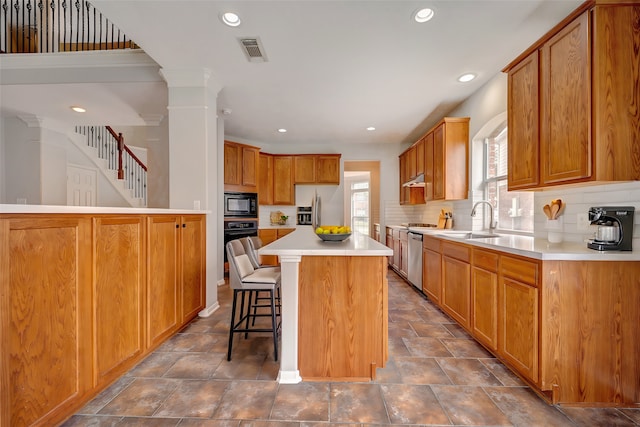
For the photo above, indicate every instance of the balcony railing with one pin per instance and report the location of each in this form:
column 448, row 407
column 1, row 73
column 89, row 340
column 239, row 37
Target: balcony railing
column 31, row 26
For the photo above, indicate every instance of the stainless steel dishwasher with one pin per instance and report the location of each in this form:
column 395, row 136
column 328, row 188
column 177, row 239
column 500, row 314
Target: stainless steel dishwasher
column 414, row 268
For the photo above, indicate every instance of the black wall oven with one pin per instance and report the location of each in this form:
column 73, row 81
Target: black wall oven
column 235, row 229
column 241, row 204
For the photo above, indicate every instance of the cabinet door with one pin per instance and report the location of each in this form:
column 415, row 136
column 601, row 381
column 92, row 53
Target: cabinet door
column 565, row 142
column 404, row 257
column 232, row 164
column 456, row 290
column 250, row 166
column 411, row 163
column 328, row 169
column 484, row 291
column 396, row 250
column 428, row 166
column 45, row 320
column 118, row 293
column 523, row 124
column 420, row 157
column 432, row 274
column 265, row 179
column 438, row 163
column 283, row 190
column 389, row 242
column 304, row 168
column 404, row 191
column 192, row 239
column 162, row 277
column 518, row 335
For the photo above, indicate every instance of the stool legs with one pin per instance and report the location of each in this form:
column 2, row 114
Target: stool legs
column 237, row 327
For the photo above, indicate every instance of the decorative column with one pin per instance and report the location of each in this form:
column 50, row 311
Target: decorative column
column 194, row 159
column 289, row 373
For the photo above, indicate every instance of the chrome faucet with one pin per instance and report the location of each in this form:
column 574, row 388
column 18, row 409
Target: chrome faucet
column 492, row 225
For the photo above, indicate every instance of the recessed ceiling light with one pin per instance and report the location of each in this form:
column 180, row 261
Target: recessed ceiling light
column 423, row 15
column 371, row 128
column 466, row 77
column 79, row 109
column 282, row 130
column 231, row 19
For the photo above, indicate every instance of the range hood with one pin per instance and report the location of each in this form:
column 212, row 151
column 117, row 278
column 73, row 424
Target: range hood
column 418, row 181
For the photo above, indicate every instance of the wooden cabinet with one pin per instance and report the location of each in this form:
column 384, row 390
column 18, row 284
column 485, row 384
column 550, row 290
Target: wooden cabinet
column 404, row 252
column 265, row 179
column 583, row 71
column 317, row 169
column 269, row 235
column 442, row 155
column 396, row 262
column 431, row 268
column 519, row 305
column 456, row 286
column 90, row 295
column 451, row 159
column 45, row 317
column 376, row 233
column 283, row 189
column 119, row 276
column 484, row 297
column 240, row 167
column 162, row 286
column 389, row 242
column 193, row 266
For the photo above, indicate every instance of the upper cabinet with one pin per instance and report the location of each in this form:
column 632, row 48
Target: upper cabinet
column 572, row 101
column 240, row 167
column 442, row 156
column 265, row 179
column 317, row 169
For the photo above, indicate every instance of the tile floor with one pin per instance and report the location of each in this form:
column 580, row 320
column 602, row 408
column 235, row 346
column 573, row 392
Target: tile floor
column 436, row 375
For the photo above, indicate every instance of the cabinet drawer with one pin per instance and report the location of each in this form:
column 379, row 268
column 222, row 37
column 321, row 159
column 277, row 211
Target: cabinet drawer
column 431, row 243
column 457, row 251
column 519, row 269
column 485, row 260
column 389, row 231
column 404, row 236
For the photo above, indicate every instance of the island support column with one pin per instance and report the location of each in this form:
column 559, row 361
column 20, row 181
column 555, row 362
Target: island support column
column 289, row 267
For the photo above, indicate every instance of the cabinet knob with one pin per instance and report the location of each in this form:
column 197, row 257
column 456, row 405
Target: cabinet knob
column 177, row 225
column 184, row 225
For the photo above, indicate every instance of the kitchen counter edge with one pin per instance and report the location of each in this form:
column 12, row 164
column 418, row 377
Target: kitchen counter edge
column 536, row 248
column 59, row 209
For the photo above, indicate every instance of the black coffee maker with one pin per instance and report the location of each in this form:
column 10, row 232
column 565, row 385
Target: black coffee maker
column 615, row 228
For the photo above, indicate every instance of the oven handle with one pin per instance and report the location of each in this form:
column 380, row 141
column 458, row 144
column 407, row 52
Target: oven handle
column 243, row 231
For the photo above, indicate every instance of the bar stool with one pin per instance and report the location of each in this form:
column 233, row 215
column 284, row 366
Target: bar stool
column 245, row 280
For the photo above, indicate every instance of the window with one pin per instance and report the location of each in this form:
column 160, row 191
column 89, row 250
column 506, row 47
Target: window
column 360, row 206
column 513, row 209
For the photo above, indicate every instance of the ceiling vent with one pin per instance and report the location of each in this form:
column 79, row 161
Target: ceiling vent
column 253, row 50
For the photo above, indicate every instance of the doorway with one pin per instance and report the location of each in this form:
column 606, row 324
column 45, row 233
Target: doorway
column 81, row 186
column 362, row 202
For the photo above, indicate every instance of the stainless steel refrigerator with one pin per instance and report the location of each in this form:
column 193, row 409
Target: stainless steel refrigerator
column 316, row 208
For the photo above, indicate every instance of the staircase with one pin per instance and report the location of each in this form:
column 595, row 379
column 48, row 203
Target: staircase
column 114, row 159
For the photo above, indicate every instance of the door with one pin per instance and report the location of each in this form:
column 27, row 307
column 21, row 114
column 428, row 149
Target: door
column 82, row 186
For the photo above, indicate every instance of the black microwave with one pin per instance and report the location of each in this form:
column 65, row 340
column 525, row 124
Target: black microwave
column 241, row 204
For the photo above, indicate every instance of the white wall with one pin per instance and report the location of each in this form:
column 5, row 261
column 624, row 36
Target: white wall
column 22, row 162
column 53, row 167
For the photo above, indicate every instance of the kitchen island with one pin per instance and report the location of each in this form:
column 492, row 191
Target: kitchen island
column 334, row 307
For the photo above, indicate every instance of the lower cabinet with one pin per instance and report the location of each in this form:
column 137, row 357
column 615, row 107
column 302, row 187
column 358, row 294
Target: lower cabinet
column 85, row 297
column 404, row 253
column 519, row 305
column 456, row 282
column 484, row 297
column 389, row 242
column 431, row 268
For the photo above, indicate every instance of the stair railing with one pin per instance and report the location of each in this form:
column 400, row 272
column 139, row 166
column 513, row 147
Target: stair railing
column 31, row 26
column 111, row 147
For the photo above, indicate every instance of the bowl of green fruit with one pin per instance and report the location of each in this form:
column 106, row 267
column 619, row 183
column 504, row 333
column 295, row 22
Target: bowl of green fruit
column 333, row 233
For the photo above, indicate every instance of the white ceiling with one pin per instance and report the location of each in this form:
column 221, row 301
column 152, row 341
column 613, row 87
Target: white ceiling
column 334, row 67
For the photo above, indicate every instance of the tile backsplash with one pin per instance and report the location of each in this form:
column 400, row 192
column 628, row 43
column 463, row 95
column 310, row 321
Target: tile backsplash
column 577, row 199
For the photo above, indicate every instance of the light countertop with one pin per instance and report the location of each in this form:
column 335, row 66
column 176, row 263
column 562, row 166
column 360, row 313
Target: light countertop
column 60, row 209
column 534, row 247
column 304, row 241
